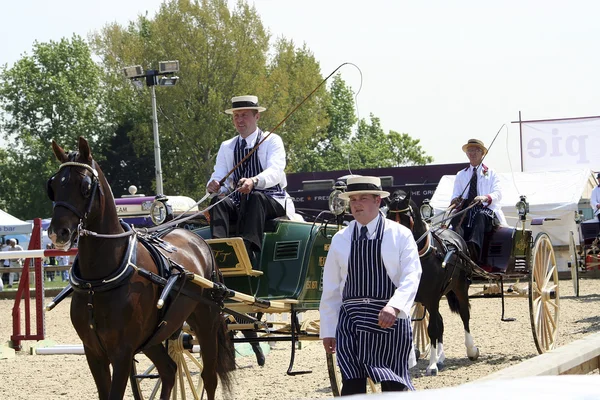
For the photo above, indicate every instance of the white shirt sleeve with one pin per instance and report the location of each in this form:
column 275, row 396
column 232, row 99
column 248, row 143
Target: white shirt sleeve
column 406, row 272
column 273, row 162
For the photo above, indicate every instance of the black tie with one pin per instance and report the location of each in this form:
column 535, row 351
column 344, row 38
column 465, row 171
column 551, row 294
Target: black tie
column 363, row 233
column 243, row 144
column 472, row 187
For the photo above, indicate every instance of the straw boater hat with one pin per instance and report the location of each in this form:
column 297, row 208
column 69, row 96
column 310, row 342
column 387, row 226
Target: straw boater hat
column 363, row 184
column 244, row 103
column 476, row 143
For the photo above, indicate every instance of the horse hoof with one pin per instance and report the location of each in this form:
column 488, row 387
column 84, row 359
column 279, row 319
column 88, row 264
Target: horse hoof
column 474, row 357
column 440, row 366
column 431, row 372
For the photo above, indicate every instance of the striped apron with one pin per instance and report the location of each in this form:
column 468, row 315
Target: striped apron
column 250, row 168
column 364, row 349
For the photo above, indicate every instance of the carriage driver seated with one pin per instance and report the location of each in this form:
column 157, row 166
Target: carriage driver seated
column 260, row 180
column 482, row 186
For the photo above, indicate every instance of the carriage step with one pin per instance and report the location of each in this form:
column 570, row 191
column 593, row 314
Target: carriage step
column 232, row 257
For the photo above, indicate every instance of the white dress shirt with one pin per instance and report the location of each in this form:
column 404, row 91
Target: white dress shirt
column 595, row 199
column 401, row 260
column 271, row 154
column 488, row 185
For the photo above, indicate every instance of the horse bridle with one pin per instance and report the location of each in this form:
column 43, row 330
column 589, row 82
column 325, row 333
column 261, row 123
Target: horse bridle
column 89, row 187
column 409, row 212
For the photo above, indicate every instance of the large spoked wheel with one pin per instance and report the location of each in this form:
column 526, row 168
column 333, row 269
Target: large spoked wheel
column 420, row 322
column 146, row 384
column 574, row 263
column 335, row 378
column 544, row 294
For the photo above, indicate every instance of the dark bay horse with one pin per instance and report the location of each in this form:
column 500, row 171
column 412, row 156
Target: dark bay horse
column 436, row 280
column 115, row 314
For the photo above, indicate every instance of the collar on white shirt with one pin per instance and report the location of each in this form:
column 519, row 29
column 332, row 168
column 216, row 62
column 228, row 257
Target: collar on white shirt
column 371, row 226
column 250, row 140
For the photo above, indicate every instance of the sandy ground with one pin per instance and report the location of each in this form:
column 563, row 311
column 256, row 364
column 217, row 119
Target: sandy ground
column 501, row 343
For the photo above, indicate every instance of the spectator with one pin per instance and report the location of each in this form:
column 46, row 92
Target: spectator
column 15, row 262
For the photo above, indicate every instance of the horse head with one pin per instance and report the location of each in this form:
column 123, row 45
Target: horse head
column 79, row 193
column 402, row 209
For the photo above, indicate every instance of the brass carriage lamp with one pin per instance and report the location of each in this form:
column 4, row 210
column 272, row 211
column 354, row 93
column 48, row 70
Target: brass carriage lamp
column 337, row 205
column 522, row 207
column 160, row 211
column 426, row 210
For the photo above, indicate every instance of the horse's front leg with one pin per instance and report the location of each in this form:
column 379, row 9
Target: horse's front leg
column 99, row 367
column 435, row 330
column 121, row 368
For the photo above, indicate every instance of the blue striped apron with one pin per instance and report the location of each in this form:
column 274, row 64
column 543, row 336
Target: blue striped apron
column 250, row 168
column 364, row 349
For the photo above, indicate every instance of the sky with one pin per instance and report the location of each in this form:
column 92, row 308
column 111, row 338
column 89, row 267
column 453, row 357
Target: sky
column 441, row 71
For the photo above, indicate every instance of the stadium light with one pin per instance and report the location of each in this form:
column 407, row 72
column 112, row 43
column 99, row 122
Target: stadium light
column 165, row 71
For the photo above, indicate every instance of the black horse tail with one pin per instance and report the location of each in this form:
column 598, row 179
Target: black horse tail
column 453, row 302
column 225, row 356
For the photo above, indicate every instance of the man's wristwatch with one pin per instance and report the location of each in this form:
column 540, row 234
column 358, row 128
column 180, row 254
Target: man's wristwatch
column 255, row 181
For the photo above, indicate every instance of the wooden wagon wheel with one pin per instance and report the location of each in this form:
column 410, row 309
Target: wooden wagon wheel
column 146, row 384
column 574, row 263
column 543, row 294
column 335, row 378
column 420, row 322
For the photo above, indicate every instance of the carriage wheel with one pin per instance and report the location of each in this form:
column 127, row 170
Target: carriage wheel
column 543, row 294
column 145, row 382
column 574, row 263
column 420, row 322
column 335, row 378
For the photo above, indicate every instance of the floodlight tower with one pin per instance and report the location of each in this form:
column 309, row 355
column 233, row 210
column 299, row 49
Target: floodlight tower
column 165, row 71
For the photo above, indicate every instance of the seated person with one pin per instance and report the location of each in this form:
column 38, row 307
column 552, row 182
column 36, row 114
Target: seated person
column 595, row 199
column 260, row 180
column 482, row 187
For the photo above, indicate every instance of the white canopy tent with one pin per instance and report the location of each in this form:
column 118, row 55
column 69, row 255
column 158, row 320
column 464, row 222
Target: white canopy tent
column 550, row 194
column 10, row 225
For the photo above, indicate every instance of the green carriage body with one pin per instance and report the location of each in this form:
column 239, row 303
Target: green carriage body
column 292, row 261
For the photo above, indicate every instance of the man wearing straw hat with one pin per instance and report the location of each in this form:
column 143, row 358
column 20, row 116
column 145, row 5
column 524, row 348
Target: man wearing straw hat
column 482, row 187
column 260, row 181
column 370, row 280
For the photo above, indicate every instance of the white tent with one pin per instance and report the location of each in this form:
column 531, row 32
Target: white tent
column 550, row 194
column 10, row 225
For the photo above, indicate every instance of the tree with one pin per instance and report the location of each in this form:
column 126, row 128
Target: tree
column 56, row 93
column 373, row 148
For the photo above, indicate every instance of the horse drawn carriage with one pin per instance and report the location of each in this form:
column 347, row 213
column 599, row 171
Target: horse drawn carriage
column 585, row 256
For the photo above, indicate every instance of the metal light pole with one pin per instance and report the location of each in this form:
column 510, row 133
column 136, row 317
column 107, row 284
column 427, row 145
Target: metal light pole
column 157, row 167
column 166, row 69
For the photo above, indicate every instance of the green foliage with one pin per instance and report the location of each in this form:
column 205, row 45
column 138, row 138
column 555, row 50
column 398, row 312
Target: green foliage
column 371, row 147
column 56, row 93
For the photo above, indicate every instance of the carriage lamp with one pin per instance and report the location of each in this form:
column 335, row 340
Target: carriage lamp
column 522, row 207
column 426, row 210
column 578, row 216
column 160, row 211
column 337, row 205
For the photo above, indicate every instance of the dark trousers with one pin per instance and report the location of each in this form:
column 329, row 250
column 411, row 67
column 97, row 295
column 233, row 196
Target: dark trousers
column 482, row 224
column 357, row 386
column 255, row 209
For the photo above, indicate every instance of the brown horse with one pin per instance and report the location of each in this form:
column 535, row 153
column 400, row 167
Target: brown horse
column 113, row 308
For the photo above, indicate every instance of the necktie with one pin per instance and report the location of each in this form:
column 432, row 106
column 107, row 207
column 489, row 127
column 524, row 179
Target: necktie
column 363, row 233
column 243, row 147
column 472, row 187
